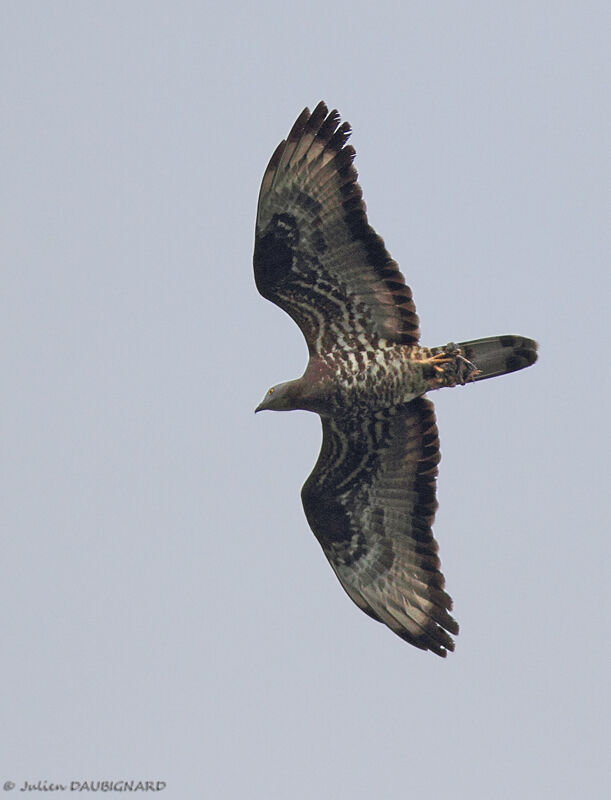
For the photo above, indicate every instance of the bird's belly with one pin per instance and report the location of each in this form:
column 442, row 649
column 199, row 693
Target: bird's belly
column 379, row 380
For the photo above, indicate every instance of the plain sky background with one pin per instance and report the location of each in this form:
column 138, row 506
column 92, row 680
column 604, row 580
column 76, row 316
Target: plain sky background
column 165, row 611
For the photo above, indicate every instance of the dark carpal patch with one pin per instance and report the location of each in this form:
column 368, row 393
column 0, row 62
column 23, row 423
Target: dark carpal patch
column 274, row 252
column 333, row 528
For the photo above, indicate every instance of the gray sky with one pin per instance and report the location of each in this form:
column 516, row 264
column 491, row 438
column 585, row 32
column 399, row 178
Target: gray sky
column 166, row 612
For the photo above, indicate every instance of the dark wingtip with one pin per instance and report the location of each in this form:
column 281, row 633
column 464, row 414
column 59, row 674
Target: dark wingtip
column 321, row 110
column 299, row 126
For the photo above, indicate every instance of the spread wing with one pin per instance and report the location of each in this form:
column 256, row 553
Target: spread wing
column 316, row 256
column 370, row 501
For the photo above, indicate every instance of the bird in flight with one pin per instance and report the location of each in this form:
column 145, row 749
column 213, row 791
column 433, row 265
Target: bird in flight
column 371, row 498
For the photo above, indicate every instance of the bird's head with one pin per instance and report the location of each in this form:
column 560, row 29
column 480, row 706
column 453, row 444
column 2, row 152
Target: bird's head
column 278, row 398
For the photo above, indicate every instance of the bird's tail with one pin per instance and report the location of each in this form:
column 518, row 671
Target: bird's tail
column 497, row 355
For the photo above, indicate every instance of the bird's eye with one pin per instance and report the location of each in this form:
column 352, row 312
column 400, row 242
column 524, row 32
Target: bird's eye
column 271, row 391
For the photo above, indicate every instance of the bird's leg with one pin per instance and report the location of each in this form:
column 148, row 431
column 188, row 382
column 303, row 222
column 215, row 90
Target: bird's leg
column 450, row 367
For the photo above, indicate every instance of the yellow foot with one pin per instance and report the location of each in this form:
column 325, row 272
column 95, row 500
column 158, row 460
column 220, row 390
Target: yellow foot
column 452, row 367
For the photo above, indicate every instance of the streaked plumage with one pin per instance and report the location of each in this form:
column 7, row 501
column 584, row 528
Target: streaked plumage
column 370, row 499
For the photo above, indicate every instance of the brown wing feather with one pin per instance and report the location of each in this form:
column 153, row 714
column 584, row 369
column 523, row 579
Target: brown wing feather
column 316, row 256
column 371, row 502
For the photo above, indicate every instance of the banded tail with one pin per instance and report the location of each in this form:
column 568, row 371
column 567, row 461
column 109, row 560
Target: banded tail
column 497, row 355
